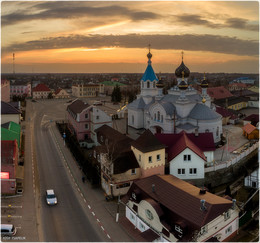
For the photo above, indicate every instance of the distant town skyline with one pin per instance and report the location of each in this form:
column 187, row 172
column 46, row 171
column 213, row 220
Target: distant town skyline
column 113, row 36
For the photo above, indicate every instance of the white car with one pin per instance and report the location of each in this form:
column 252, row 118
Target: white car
column 51, row 199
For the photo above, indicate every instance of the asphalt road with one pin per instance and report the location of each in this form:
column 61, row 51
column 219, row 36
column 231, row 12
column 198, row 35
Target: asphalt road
column 69, row 219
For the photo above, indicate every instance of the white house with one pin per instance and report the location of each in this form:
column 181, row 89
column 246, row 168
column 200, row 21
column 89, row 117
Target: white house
column 166, row 209
column 182, row 109
column 187, row 154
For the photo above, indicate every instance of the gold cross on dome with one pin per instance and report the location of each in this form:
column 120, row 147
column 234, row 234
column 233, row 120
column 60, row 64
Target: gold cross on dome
column 149, row 47
column 182, row 55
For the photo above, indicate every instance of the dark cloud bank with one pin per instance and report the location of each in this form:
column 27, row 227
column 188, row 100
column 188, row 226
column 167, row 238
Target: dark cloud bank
column 190, row 42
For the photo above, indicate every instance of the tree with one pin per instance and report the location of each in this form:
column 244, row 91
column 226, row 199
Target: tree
column 50, row 96
column 116, row 94
column 131, row 97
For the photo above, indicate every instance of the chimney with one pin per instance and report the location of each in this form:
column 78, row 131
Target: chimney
column 153, row 188
column 234, row 204
column 203, row 191
column 202, row 205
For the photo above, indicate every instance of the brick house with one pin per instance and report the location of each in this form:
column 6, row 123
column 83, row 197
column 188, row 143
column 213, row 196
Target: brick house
column 9, row 164
column 167, row 209
column 5, row 90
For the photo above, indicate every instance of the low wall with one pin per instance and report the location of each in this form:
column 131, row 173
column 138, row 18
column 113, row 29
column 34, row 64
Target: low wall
column 231, row 170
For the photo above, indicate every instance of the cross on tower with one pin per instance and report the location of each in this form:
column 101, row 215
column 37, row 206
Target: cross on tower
column 182, row 55
column 149, row 47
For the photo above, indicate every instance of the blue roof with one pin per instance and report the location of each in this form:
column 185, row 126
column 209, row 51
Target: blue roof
column 137, row 104
column 149, row 73
column 202, row 112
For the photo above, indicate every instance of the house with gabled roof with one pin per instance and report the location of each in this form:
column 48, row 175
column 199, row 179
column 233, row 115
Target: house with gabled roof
column 188, row 154
column 84, row 119
column 228, row 115
column 219, row 92
column 61, row 94
column 250, row 131
column 9, row 164
column 118, row 164
column 9, row 113
column 150, row 153
column 41, row 91
column 252, row 119
column 170, row 210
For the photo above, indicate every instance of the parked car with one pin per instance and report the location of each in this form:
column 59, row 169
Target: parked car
column 51, row 198
column 8, row 230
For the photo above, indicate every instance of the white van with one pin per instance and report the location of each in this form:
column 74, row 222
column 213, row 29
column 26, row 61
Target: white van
column 8, row 230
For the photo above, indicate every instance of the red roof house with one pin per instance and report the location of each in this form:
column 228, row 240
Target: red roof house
column 187, row 153
column 250, row 131
column 218, row 92
column 41, row 91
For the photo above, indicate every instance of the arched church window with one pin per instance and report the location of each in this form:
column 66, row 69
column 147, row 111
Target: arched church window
column 217, row 132
column 154, row 116
column 148, row 84
column 161, row 118
column 133, row 119
column 158, row 115
column 154, row 84
column 142, row 84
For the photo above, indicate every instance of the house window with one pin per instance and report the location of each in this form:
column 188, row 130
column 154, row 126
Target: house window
column 149, row 214
column 228, row 231
column 204, row 229
column 97, row 117
column 187, row 157
column 142, row 228
column 86, row 126
column 181, row 171
column 158, row 157
column 150, row 159
column 132, row 217
column 193, row 171
column 86, row 115
column 227, row 215
column 133, row 172
column 140, row 157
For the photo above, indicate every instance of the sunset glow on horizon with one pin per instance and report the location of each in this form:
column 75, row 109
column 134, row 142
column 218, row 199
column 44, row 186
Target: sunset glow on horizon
column 95, row 36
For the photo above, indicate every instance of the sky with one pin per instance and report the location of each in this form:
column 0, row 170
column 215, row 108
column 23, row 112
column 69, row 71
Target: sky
column 114, row 36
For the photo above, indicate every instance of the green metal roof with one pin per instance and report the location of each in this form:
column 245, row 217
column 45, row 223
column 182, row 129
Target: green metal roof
column 11, row 131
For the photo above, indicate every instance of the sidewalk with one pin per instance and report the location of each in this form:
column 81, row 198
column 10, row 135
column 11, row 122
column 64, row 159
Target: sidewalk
column 103, row 211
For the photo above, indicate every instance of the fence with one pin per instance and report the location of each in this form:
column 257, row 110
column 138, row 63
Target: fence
column 233, row 160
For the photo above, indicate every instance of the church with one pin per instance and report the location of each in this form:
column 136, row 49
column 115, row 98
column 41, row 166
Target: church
column 182, row 109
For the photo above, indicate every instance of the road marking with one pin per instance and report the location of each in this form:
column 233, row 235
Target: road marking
column 81, row 194
column 93, row 213
column 85, row 200
column 78, row 189
column 10, row 206
column 102, row 228
column 98, row 220
column 108, row 236
column 89, row 207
